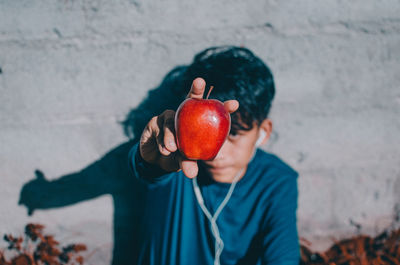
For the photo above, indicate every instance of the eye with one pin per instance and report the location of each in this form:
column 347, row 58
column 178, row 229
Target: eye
column 232, row 137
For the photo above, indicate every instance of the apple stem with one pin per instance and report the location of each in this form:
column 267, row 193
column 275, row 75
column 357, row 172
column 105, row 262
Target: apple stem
column 209, row 91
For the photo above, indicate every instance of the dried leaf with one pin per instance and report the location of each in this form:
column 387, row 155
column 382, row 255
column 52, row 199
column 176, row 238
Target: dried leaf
column 359, row 250
column 45, row 250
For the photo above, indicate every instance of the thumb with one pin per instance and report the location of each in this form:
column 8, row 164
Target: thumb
column 30, row 211
column 189, row 168
column 39, row 174
column 231, row 105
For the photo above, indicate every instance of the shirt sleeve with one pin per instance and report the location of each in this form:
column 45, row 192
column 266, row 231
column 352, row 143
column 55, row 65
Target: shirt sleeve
column 280, row 241
column 143, row 170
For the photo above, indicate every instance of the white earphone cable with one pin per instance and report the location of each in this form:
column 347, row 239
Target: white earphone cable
column 219, row 243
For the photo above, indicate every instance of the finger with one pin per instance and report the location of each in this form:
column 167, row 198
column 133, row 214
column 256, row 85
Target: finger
column 231, row 105
column 39, row 174
column 30, row 211
column 169, row 131
column 189, row 168
column 170, row 163
column 159, row 135
column 150, row 133
column 197, row 89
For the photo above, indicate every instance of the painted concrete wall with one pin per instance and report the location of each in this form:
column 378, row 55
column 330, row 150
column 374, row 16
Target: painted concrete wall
column 71, row 71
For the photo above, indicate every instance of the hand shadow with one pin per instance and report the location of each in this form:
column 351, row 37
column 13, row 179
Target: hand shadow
column 110, row 174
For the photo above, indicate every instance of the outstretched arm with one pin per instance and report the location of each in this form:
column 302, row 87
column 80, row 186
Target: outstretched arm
column 107, row 175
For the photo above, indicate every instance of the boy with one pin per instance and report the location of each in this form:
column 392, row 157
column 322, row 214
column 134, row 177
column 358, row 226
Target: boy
column 239, row 208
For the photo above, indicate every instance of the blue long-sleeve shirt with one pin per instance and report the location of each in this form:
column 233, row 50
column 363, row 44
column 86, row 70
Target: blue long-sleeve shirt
column 257, row 225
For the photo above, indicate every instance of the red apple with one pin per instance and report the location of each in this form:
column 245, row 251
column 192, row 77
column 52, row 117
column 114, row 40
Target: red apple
column 201, row 127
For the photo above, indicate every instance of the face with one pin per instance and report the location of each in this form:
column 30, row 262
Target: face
column 236, row 153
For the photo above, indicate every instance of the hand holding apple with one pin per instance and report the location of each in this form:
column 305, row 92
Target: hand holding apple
column 158, row 143
column 201, row 127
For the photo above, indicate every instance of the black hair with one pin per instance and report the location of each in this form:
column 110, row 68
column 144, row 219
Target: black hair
column 235, row 73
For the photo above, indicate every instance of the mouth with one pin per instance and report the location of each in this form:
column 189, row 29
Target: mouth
column 216, row 168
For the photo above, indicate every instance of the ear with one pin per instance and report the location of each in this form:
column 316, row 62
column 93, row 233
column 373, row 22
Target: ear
column 266, row 125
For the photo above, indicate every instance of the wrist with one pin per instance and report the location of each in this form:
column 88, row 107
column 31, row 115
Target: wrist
column 146, row 169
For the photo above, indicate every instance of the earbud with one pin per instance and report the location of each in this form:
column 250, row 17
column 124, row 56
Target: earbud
column 261, row 137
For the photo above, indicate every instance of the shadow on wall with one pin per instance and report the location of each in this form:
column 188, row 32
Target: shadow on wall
column 110, row 174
